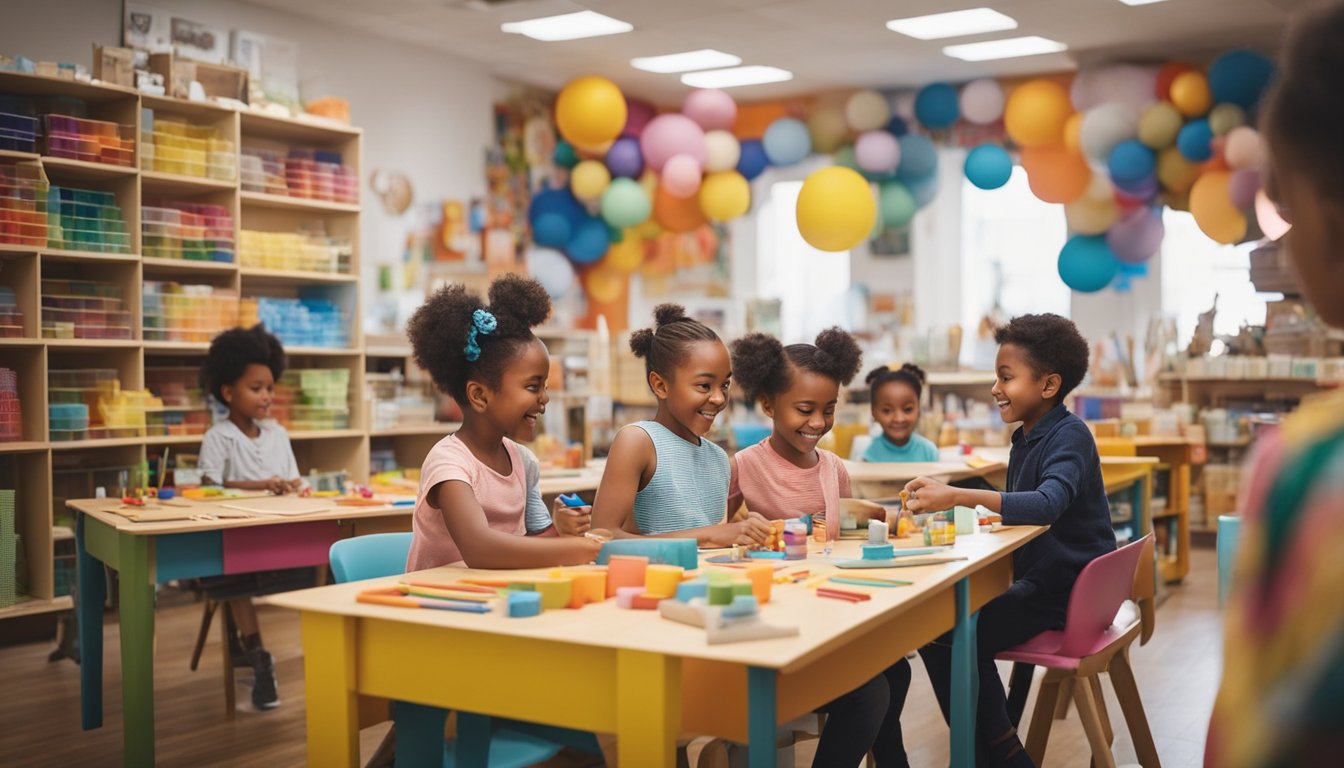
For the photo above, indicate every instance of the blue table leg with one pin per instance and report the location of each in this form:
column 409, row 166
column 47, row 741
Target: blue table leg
column 89, row 599
column 419, row 734
column 473, row 740
column 965, row 680
column 761, row 710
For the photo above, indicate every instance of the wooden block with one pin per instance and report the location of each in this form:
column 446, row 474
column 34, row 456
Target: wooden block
column 625, row 571
column 646, row 602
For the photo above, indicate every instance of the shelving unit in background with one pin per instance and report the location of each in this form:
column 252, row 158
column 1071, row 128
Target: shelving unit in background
column 1171, row 495
column 54, row 470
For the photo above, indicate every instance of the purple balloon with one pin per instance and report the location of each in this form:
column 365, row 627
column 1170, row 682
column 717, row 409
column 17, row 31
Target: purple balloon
column 1142, row 190
column 877, row 152
column 1242, row 188
column 1137, row 236
column 637, row 115
column 625, row 159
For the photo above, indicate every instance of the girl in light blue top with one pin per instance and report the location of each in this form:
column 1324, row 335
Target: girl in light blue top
column 663, row 478
column 895, row 405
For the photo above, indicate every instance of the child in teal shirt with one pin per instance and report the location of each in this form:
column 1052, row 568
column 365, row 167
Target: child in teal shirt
column 894, row 395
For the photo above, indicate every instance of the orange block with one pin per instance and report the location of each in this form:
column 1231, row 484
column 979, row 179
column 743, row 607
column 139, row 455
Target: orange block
column 625, row 571
column 646, row 602
column 762, row 575
column 588, row 587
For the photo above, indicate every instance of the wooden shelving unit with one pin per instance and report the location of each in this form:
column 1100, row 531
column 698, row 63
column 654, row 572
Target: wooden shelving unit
column 40, row 463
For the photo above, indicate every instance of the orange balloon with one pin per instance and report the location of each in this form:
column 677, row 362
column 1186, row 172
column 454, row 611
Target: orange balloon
column 606, row 284
column 1035, row 113
column 1073, row 132
column 1176, row 173
column 1211, row 205
column 1056, row 174
column 677, row 214
column 1167, row 74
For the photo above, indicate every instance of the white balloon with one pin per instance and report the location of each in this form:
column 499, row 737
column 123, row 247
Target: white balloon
column 981, row 101
column 550, row 268
column 1106, row 125
column 724, row 151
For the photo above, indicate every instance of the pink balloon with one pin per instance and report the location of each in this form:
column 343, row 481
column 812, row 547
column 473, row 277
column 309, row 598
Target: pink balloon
column 711, row 109
column 1242, row 188
column 681, row 176
column 1267, row 216
column 877, row 152
column 672, row 134
column 1137, row 236
column 637, row 115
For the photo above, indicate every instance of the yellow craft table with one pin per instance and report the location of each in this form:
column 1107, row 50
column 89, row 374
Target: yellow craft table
column 633, row 673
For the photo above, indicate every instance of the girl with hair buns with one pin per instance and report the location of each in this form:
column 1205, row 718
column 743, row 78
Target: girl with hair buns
column 663, row 478
column 894, row 395
column 480, row 502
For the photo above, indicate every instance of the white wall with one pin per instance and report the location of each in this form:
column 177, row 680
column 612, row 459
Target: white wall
column 424, row 113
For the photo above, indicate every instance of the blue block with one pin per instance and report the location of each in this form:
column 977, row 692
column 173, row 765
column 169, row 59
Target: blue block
column 742, row 605
column 878, row 551
column 682, row 552
column 689, row 589
column 524, row 604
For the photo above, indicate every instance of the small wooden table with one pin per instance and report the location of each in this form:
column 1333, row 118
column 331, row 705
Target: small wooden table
column 635, row 674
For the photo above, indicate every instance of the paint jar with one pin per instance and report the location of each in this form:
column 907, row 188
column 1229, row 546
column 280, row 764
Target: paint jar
column 795, row 540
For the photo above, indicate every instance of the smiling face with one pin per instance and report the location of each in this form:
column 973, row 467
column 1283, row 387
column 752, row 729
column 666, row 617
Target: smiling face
column 1020, row 393
column 249, row 398
column 516, row 406
column 696, row 392
column 802, row 414
column 896, row 409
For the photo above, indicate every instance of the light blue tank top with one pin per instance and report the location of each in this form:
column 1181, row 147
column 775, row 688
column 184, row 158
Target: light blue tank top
column 689, row 489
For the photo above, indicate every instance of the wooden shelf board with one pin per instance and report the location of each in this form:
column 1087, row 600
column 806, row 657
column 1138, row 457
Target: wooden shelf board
column 10, row 154
column 200, row 109
column 23, row 446
column 260, row 274
column 173, row 182
column 21, row 250
column 68, row 255
column 189, row 265
column 81, row 169
column 286, row 203
column 325, row 433
column 36, row 606
column 22, row 342
column 173, row 439
column 176, row 347
column 384, row 351
column 92, row 343
column 108, row 442
column 437, row 428
column 260, row 124
column 321, row 351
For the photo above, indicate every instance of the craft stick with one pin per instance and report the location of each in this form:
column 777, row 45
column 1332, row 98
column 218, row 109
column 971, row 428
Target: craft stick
column 421, row 602
column 460, row 586
column 869, row 582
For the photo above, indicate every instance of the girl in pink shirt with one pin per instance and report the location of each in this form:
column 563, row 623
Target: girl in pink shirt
column 475, row 485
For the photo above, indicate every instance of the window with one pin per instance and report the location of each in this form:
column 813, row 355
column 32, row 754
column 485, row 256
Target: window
column 812, row 285
column 1195, row 268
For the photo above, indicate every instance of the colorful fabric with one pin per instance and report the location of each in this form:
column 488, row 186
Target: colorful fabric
column 689, row 487
column 503, row 499
column 1282, row 697
column 778, row 489
column 917, row 448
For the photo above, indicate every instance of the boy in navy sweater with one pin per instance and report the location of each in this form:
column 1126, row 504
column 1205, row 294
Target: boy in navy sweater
column 1054, row 479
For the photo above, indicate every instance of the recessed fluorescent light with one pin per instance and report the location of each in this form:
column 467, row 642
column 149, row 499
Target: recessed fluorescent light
column 689, row 61
column 971, row 21
column 569, row 26
column 1141, row 2
column 1004, row 49
column 728, row 78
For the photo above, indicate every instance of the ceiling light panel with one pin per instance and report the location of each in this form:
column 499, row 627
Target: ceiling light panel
column 972, row 21
column 569, row 26
column 736, row 76
column 688, row 61
column 1010, row 48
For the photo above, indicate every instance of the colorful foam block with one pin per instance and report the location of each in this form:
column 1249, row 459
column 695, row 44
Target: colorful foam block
column 524, row 604
column 761, row 576
column 646, row 602
column 742, row 605
column 554, row 593
column 687, row 590
column 877, row 551
column 720, row 594
column 625, row 596
column 625, row 571
column 741, row 588
column 662, row 580
column 587, row 587
column 682, row 552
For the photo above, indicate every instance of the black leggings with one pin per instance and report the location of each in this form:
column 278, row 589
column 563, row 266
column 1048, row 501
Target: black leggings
column 868, row 717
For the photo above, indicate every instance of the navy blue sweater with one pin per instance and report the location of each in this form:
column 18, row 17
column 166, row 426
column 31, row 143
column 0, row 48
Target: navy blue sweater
column 1054, row 479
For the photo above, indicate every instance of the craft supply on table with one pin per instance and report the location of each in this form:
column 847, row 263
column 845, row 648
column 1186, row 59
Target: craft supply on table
column 899, row 562
column 394, row 597
column 881, row 551
column 682, row 552
column 842, row 594
column 877, row 531
column 869, row 582
column 795, row 540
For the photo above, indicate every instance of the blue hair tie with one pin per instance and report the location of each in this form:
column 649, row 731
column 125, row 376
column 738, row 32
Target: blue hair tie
column 482, row 322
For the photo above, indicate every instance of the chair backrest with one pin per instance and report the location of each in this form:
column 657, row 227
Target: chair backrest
column 1097, row 594
column 368, row 557
column 1145, row 588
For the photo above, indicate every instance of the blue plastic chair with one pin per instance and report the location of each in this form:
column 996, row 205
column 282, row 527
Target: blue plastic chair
column 1229, row 530
column 384, row 554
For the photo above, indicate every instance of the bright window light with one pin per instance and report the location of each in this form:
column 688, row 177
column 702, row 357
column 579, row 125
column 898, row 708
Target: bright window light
column 689, row 61
column 1141, row 2
column 1011, row 48
column 569, row 26
column 729, row 78
column 972, row 21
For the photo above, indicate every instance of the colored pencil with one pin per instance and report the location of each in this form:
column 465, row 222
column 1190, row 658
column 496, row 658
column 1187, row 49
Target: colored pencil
column 460, row 586
column 376, row 598
column 445, row 594
column 841, row 594
column 869, row 582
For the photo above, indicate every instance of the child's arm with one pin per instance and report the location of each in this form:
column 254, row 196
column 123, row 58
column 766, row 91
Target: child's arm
column 1062, row 472
column 484, row 547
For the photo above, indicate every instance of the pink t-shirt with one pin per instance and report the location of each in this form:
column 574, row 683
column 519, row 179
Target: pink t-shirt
column 777, row 488
column 502, row 497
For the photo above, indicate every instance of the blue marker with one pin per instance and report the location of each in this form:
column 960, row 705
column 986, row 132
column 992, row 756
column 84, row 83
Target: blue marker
column 572, row 500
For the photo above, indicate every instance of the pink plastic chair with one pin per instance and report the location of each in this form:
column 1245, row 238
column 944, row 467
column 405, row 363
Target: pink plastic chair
column 1089, row 644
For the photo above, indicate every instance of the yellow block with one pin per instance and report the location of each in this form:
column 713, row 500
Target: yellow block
column 554, row 592
column 662, row 580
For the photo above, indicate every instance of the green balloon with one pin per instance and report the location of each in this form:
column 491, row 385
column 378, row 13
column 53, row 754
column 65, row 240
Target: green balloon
column 565, row 156
column 896, row 205
column 624, row 204
column 1225, row 117
column 844, row 156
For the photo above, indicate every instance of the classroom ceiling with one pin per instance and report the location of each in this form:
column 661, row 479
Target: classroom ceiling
column 827, row 44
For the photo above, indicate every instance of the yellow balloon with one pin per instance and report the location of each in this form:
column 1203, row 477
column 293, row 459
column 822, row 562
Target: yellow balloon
column 1211, row 205
column 589, row 180
column 1190, row 93
column 1176, row 173
column 1073, row 132
column 828, row 129
column 606, row 284
column 628, row 254
column 590, row 111
column 1091, row 215
column 647, row 230
column 1158, row 125
column 724, row 195
column 1036, row 113
column 835, row 209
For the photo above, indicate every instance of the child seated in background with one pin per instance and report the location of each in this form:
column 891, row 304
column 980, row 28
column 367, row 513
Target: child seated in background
column 1054, row 479
column 479, row 501
column 663, row 478
column 786, row 475
column 894, row 399
column 251, row 452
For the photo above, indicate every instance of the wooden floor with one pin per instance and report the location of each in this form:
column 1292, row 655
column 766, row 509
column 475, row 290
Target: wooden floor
column 1177, row 673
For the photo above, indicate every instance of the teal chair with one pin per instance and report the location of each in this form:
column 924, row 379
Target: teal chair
column 419, row 728
column 1229, row 529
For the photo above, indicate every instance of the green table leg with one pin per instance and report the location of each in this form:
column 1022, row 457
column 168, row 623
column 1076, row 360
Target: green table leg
column 89, row 600
column 137, row 651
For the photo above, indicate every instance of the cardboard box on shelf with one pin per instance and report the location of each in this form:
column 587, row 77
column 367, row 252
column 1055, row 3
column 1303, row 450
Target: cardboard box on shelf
column 114, row 65
column 218, row 81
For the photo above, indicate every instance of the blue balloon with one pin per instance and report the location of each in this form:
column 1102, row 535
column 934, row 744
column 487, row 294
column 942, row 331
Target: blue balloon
column 936, row 106
column 1086, row 263
column 561, row 201
column 988, row 166
column 923, row 190
column 1131, row 162
column 1134, row 270
column 897, row 127
column 787, row 142
column 752, row 162
column 625, row 159
column 919, row 159
column 551, row 230
column 1194, row 141
column 590, row 241
column 1240, row 77
column 564, row 155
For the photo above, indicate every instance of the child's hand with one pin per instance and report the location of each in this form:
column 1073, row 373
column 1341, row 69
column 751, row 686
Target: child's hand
column 750, row 531
column 571, row 521
column 277, row 486
column 294, row 484
column 928, row 495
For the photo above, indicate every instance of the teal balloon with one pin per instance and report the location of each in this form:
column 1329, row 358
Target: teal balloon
column 896, row 205
column 844, row 156
column 565, row 156
column 936, row 106
column 1086, row 263
column 590, row 241
column 787, row 142
column 988, row 166
column 924, row 190
column 624, row 203
column 919, row 159
column 1240, row 77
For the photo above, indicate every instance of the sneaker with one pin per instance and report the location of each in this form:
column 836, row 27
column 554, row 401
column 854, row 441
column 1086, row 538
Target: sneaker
column 264, row 693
